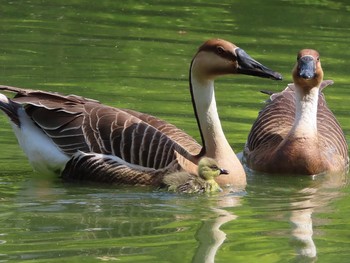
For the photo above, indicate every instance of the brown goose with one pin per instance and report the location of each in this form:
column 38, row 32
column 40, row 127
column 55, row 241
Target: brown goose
column 84, row 139
column 296, row 133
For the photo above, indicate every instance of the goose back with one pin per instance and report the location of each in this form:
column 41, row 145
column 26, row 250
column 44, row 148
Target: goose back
column 74, row 124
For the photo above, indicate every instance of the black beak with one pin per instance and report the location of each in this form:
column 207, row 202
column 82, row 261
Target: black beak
column 223, row 171
column 306, row 67
column 249, row 66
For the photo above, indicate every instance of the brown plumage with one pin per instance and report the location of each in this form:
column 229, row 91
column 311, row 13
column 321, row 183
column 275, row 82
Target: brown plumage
column 92, row 134
column 296, row 133
column 84, row 139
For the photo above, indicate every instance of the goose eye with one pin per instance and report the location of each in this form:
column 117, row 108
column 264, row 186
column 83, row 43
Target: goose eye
column 220, row 50
column 318, row 58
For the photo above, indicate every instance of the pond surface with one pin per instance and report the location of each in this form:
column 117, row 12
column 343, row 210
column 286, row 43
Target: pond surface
column 136, row 55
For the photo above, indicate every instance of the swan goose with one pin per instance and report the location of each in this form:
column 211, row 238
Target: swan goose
column 84, row 139
column 183, row 182
column 296, row 133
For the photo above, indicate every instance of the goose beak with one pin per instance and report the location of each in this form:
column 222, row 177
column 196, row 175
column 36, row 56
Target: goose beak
column 306, row 67
column 249, row 66
column 223, row 171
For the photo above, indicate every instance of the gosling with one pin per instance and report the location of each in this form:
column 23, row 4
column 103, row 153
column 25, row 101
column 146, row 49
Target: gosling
column 183, row 182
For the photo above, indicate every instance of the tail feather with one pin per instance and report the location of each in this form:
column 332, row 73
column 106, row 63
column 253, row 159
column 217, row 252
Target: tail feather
column 10, row 108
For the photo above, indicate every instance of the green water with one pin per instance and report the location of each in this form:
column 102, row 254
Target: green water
column 136, row 55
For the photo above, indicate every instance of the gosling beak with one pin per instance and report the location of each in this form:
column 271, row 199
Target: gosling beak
column 306, row 67
column 223, row 171
column 249, row 66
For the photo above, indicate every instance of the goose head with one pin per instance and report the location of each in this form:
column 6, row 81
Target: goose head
column 307, row 72
column 208, row 169
column 218, row 57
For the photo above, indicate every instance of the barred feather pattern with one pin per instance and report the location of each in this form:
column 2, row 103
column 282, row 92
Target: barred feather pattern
column 105, row 169
column 76, row 124
column 276, row 119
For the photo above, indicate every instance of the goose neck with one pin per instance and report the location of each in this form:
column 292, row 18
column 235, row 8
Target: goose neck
column 203, row 97
column 306, row 112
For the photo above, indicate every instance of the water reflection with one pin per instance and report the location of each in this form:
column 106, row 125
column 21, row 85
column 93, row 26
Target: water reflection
column 209, row 236
column 298, row 201
column 302, row 230
column 129, row 222
column 301, row 203
column 322, row 190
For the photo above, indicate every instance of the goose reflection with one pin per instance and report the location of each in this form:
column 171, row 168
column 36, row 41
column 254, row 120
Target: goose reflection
column 302, row 229
column 210, row 236
column 297, row 202
column 128, row 223
column 322, row 190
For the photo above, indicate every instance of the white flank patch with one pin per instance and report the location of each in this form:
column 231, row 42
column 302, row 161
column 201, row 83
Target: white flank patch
column 43, row 154
column 4, row 98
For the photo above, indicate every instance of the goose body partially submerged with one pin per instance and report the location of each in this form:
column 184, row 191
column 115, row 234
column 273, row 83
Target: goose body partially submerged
column 84, row 139
column 296, row 133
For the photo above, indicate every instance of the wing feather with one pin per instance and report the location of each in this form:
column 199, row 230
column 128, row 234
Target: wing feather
column 78, row 124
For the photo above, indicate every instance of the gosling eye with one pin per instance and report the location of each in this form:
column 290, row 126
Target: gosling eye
column 214, row 167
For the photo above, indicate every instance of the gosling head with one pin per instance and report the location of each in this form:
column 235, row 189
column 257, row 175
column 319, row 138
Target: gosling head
column 307, row 72
column 208, row 169
column 219, row 57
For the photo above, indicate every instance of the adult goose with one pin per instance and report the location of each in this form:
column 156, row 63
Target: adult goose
column 84, row 139
column 184, row 182
column 296, row 133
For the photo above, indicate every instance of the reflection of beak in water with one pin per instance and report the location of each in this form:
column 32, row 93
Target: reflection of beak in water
column 209, row 235
column 319, row 195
